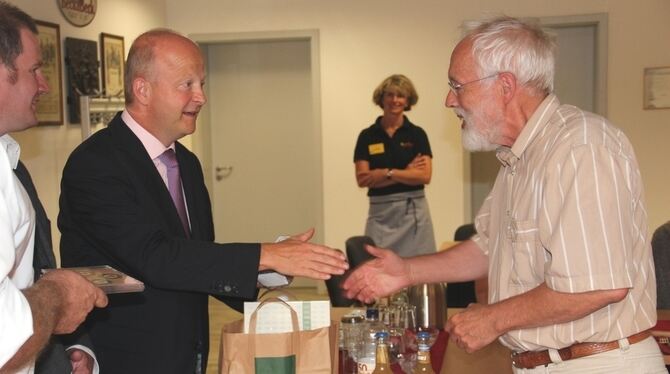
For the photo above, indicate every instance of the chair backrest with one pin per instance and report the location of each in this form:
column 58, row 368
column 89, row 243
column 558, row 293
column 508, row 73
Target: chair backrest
column 356, row 253
column 335, row 292
column 660, row 244
column 460, row 294
column 465, row 232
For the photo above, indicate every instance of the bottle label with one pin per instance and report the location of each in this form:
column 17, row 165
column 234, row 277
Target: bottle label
column 366, row 365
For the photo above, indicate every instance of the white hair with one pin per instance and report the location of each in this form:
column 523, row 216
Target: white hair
column 506, row 44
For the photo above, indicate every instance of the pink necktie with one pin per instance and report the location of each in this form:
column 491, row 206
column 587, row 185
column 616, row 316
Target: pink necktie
column 169, row 159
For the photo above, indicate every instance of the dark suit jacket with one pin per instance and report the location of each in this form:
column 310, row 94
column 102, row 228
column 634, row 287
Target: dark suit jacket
column 115, row 209
column 53, row 359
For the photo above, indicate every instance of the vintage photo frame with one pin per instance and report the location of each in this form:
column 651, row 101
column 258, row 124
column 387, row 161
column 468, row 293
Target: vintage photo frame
column 112, row 55
column 50, row 105
column 656, row 93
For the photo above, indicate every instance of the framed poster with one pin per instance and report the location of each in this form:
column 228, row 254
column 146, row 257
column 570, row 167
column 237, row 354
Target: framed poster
column 83, row 73
column 50, row 105
column 656, row 88
column 112, row 54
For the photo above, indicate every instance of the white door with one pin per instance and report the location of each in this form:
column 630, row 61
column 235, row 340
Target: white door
column 264, row 140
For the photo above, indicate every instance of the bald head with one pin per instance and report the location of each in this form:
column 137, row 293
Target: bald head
column 142, row 55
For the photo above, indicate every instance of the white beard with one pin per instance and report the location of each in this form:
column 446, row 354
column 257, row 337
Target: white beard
column 480, row 129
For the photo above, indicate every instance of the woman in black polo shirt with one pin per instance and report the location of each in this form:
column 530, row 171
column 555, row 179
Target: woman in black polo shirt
column 393, row 160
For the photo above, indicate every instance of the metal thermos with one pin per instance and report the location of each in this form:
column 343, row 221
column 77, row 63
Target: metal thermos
column 430, row 302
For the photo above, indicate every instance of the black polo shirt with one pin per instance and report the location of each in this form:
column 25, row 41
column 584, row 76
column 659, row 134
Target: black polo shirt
column 382, row 151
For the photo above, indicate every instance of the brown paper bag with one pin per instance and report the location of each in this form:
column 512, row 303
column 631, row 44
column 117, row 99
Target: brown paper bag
column 297, row 352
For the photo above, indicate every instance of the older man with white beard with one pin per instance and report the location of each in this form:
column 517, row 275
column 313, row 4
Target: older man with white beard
column 563, row 234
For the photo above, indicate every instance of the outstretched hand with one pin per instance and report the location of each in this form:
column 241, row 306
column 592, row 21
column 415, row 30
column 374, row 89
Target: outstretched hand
column 297, row 257
column 381, row 276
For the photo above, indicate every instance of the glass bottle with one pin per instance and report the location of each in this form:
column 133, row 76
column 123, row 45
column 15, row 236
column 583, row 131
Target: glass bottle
column 382, row 362
column 423, row 365
column 353, row 327
column 366, row 360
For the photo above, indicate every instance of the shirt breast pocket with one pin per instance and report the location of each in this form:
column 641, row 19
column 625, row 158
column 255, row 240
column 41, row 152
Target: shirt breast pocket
column 527, row 259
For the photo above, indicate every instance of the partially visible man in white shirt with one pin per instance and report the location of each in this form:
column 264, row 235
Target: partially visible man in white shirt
column 59, row 301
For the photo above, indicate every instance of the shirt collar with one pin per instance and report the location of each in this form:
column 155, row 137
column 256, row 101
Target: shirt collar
column 153, row 146
column 536, row 123
column 13, row 149
column 403, row 126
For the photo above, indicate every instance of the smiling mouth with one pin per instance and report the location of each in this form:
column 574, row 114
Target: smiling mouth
column 191, row 114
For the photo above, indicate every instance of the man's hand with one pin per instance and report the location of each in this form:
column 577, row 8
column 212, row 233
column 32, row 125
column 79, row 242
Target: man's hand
column 77, row 296
column 297, row 257
column 381, row 276
column 82, row 362
column 472, row 329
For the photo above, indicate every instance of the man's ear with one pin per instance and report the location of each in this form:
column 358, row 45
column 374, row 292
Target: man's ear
column 508, row 81
column 141, row 89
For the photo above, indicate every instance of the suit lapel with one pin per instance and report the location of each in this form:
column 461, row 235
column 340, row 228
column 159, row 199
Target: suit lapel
column 43, row 257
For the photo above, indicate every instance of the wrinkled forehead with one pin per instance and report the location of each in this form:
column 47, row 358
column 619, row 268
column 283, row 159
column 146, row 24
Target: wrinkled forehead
column 462, row 63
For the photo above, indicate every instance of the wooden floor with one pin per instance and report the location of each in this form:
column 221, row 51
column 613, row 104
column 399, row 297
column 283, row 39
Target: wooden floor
column 220, row 314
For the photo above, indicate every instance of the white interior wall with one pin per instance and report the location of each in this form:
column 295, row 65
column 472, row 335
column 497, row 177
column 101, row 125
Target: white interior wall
column 364, row 41
column 45, row 149
column 361, row 43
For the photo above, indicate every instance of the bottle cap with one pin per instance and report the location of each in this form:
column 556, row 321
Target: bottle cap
column 372, row 314
column 423, row 335
column 382, row 334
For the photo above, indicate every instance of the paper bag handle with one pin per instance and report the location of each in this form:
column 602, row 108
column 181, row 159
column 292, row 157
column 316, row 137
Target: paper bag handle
column 295, row 334
column 295, row 326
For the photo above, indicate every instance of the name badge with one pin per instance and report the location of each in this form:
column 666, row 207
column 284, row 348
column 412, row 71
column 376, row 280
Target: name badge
column 376, row 149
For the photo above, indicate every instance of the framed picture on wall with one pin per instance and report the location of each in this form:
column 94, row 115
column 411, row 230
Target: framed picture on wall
column 112, row 54
column 50, row 105
column 656, row 88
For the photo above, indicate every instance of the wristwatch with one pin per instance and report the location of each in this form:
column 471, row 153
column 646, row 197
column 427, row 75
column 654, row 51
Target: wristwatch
column 389, row 174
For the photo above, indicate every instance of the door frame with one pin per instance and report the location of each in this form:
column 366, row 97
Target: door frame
column 600, row 21
column 201, row 139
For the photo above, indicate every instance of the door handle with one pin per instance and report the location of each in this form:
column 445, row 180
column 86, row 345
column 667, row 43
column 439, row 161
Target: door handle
column 223, row 172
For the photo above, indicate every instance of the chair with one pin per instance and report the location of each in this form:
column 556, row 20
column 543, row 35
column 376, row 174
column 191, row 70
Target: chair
column 356, row 253
column 460, row 294
column 335, row 292
column 660, row 244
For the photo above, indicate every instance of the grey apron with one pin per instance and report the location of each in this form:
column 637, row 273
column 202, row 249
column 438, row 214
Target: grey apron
column 401, row 222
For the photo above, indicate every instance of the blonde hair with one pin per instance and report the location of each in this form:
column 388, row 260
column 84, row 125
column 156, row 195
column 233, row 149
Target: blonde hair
column 397, row 83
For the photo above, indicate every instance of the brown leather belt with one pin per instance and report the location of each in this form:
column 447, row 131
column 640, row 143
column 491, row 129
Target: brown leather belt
column 529, row 360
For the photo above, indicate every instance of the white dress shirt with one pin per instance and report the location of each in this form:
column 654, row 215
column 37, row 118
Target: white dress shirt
column 17, row 235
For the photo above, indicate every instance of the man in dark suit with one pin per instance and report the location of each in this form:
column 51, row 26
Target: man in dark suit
column 119, row 206
column 54, row 358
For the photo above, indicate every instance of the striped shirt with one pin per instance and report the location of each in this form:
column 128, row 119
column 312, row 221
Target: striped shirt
column 567, row 209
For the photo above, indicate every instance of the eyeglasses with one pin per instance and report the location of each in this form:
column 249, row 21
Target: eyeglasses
column 456, row 87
